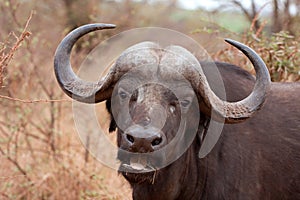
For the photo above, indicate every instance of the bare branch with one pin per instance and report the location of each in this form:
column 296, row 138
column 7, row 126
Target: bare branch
column 6, row 58
column 16, row 164
column 35, row 101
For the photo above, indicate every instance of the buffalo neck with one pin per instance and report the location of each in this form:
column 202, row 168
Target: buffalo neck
column 180, row 180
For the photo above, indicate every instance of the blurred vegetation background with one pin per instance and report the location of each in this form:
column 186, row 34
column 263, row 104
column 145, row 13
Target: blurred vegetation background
column 41, row 156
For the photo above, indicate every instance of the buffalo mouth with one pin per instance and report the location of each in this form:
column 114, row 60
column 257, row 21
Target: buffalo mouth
column 138, row 169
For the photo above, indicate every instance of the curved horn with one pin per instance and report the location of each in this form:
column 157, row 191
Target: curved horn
column 234, row 112
column 71, row 84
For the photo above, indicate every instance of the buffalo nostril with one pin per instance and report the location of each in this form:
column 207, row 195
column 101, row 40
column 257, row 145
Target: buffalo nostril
column 130, row 138
column 156, row 141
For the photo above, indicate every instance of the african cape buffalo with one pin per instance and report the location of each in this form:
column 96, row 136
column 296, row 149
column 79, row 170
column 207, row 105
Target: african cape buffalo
column 257, row 155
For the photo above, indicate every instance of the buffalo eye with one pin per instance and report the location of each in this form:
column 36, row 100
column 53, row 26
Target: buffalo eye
column 185, row 103
column 123, row 95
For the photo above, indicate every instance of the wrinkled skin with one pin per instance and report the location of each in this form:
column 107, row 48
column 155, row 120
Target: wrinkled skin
column 257, row 159
column 156, row 107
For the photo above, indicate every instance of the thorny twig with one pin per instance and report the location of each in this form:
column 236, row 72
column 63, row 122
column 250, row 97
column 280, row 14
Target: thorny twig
column 36, row 100
column 6, row 58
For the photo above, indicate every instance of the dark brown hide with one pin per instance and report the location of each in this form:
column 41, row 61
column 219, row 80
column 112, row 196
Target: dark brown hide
column 260, row 159
column 256, row 159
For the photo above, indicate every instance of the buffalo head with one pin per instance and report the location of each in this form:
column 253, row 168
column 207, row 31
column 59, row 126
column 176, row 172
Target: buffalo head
column 154, row 94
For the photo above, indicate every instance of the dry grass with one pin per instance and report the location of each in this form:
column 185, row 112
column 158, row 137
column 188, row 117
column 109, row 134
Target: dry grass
column 41, row 157
column 280, row 51
column 45, row 159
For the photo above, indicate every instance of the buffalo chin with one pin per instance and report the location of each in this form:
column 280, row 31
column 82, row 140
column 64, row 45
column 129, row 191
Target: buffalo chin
column 138, row 173
column 139, row 177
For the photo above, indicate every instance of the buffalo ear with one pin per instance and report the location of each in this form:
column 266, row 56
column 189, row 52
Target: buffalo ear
column 203, row 127
column 112, row 124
